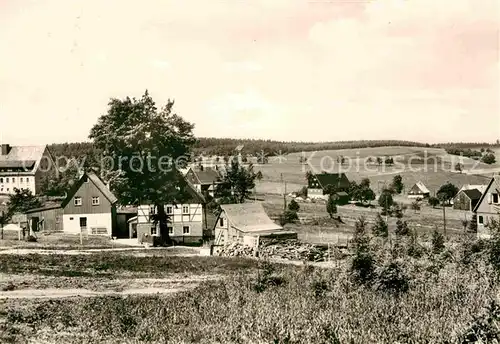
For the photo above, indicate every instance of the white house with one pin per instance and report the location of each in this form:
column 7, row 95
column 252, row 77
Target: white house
column 23, row 167
column 488, row 207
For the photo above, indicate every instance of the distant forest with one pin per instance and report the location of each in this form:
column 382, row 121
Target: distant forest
column 226, row 147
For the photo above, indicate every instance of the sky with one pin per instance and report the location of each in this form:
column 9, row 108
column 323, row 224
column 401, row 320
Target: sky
column 301, row 70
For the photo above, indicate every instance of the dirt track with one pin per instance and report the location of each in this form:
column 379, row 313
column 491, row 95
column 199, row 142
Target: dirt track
column 145, row 286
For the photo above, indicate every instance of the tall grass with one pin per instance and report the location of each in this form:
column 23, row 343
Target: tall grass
column 450, row 297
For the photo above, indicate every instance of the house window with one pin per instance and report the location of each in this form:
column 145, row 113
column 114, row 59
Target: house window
column 170, row 210
column 185, row 230
column 78, row 201
column 185, row 209
column 95, row 200
column 153, row 230
column 480, row 220
column 221, row 222
column 170, row 230
column 1, row 180
column 27, row 180
column 13, row 180
column 70, row 218
column 495, row 198
column 7, row 189
column 21, row 180
column 6, row 180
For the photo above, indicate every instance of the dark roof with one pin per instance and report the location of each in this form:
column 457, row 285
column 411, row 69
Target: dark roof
column 25, row 164
column 473, row 194
column 206, row 176
column 334, row 179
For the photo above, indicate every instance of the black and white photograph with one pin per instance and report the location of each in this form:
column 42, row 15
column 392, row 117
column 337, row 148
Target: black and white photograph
column 249, row 171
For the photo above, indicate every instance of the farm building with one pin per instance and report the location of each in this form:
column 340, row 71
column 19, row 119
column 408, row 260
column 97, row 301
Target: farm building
column 47, row 218
column 89, row 207
column 317, row 184
column 466, row 199
column 244, row 223
column 419, row 190
column 204, row 179
column 488, row 207
column 186, row 221
column 23, row 167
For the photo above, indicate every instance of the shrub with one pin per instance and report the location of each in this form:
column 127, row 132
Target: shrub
column 392, row 278
column 266, row 278
column 433, row 201
column 363, row 266
column 31, row 238
column 473, row 224
column 437, row 242
column 380, row 227
column 293, row 206
column 288, row 216
column 402, row 228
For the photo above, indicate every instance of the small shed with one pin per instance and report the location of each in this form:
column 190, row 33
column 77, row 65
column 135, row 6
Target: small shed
column 419, row 190
column 245, row 223
column 48, row 218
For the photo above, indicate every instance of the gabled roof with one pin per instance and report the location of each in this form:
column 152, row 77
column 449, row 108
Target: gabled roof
column 99, row 184
column 197, row 197
column 473, row 194
column 494, row 182
column 207, row 176
column 480, row 187
column 249, row 217
column 334, row 179
column 421, row 187
column 22, row 156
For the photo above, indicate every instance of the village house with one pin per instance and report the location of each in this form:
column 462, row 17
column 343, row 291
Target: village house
column 317, row 185
column 89, row 208
column 418, row 191
column 246, row 223
column 187, row 222
column 204, row 179
column 466, row 199
column 23, row 167
column 488, row 207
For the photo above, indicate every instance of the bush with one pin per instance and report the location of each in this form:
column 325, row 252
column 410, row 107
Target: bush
column 293, row 206
column 402, row 228
column 363, row 267
column 392, row 278
column 437, row 242
column 31, row 238
column 433, row 201
column 380, row 227
column 288, row 216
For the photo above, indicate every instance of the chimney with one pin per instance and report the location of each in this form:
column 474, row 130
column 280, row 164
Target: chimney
column 5, row 149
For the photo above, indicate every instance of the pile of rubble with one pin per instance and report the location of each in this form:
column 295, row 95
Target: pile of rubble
column 289, row 249
column 237, row 250
column 292, row 250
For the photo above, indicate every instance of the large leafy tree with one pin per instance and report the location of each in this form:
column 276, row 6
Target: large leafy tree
column 143, row 148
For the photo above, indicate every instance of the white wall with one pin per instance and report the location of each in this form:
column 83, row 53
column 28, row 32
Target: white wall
column 30, row 184
column 71, row 222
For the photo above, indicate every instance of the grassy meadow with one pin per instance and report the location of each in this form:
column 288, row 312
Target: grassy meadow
column 408, row 163
column 403, row 292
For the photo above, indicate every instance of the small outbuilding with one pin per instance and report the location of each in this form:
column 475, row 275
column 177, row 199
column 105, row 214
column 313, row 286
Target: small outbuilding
column 419, row 190
column 245, row 223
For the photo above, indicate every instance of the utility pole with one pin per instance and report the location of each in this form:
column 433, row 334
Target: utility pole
column 2, row 219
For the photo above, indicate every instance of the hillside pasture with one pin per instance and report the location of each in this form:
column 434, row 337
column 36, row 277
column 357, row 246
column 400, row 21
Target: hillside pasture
column 432, row 166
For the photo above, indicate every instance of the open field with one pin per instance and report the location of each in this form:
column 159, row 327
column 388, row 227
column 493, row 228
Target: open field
column 436, row 172
column 434, row 297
